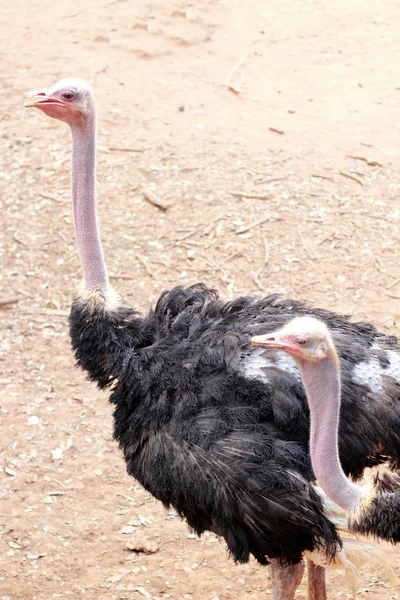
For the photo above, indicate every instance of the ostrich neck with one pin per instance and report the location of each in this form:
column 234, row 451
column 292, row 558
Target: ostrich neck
column 84, row 204
column 323, row 395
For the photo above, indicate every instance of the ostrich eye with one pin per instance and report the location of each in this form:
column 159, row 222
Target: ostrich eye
column 300, row 341
column 68, row 95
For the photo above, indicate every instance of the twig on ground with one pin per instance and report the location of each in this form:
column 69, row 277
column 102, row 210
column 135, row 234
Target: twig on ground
column 323, row 239
column 306, row 247
column 144, row 262
column 391, row 295
column 209, row 228
column 351, row 176
column 143, row 592
column 152, row 197
column 236, row 88
column 53, row 198
column 256, row 278
column 252, row 225
column 240, row 194
column 62, row 236
column 203, row 228
column 266, row 247
column 19, row 241
column 43, row 311
column 129, row 498
column 271, row 180
column 121, row 149
column 276, row 130
column 266, row 259
column 176, row 542
column 370, row 163
column 277, row 162
column 304, row 285
column 127, row 277
column 8, row 301
column 127, row 148
column 322, row 176
column 393, row 284
column 189, row 168
column 232, row 256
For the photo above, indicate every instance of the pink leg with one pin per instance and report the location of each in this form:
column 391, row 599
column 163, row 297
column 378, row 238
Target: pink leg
column 286, row 580
column 316, row 582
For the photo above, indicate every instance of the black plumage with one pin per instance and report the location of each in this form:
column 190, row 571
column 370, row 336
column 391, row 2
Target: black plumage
column 379, row 517
column 227, row 450
column 379, row 514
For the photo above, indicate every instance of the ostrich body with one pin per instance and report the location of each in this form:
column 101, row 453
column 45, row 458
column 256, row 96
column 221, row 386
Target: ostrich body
column 375, row 510
column 207, row 423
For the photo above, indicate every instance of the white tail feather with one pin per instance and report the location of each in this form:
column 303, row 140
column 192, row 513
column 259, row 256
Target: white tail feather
column 355, row 553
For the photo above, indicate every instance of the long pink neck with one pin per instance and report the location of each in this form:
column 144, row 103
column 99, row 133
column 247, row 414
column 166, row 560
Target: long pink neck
column 322, row 385
column 84, row 203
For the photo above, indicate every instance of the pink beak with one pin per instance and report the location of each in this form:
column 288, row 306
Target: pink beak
column 40, row 98
column 269, row 340
column 278, row 341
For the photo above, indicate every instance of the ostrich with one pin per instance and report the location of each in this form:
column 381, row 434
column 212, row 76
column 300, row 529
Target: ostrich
column 208, row 424
column 373, row 510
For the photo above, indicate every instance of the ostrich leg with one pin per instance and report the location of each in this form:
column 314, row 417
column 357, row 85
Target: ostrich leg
column 286, row 580
column 316, row 582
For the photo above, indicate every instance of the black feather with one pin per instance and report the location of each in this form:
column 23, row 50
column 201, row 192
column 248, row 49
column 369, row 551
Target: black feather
column 380, row 518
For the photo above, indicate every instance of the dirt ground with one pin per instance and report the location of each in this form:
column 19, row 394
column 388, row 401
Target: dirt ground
column 271, row 129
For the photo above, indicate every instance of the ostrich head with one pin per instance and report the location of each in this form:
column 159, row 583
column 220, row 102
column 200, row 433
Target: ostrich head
column 69, row 100
column 305, row 338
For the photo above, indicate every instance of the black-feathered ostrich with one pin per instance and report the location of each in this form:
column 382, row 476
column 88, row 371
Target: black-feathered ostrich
column 208, row 424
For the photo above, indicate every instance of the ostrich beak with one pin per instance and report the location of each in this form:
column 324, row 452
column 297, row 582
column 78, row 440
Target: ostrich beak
column 279, row 341
column 274, row 340
column 269, row 340
column 40, row 98
column 33, row 98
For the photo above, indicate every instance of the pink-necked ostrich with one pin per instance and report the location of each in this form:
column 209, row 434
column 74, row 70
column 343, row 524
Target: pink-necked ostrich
column 373, row 510
column 209, row 424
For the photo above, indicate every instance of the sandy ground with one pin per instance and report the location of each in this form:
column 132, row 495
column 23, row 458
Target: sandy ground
column 271, row 129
